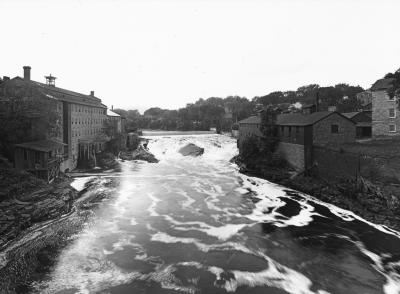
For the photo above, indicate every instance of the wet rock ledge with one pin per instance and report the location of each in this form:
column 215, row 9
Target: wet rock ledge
column 376, row 202
column 139, row 154
column 43, row 217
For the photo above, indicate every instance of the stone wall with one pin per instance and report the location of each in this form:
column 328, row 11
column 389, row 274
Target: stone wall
column 332, row 164
column 293, row 153
column 380, row 115
column 322, row 133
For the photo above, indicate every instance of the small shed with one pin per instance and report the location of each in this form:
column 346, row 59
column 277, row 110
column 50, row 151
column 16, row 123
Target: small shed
column 42, row 158
column 363, row 123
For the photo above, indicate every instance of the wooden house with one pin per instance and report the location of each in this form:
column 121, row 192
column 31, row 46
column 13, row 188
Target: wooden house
column 42, row 158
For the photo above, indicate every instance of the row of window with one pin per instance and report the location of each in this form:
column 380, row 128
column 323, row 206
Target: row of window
column 334, row 129
column 392, row 114
column 92, row 110
column 88, row 121
column 85, row 132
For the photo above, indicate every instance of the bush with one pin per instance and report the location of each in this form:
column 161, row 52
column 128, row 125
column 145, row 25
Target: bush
column 249, row 148
column 255, row 150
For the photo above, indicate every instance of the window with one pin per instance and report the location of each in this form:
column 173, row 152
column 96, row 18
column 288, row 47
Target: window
column 297, row 130
column 289, row 130
column 392, row 113
column 25, row 155
column 334, row 129
column 392, row 128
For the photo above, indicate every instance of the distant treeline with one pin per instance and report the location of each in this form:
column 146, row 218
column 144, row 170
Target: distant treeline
column 222, row 113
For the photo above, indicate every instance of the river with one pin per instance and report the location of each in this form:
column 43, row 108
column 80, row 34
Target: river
column 196, row 225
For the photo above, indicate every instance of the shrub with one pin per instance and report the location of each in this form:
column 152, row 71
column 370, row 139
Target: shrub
column 249, row 148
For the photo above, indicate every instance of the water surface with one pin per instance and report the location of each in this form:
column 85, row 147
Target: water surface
column 196, row 225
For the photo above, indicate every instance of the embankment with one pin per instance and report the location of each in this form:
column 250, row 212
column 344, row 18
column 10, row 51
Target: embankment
column 36, row 218
column 373, row 201
column 32, row 249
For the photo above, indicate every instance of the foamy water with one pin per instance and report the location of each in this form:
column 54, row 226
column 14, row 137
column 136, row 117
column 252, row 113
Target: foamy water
column 196, row 225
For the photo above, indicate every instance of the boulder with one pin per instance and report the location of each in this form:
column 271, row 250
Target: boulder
column 139, row 154
column 191, row 150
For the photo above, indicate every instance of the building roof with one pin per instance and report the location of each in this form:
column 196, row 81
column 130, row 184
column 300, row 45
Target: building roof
column 251, row 120
column 363, row 124
column 111, row 113
column 308, row 105
column 382, row 84
column 61, row 94
column 299, row 119
column 41, row 145
column 350, row 114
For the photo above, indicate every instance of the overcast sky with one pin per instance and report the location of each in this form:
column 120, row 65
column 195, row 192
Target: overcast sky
column 140, row 54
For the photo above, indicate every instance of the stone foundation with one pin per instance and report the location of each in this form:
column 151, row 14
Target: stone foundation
column 293, row 154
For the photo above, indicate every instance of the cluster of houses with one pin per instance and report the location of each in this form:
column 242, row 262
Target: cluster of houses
column 77, row 134
column 299, row 132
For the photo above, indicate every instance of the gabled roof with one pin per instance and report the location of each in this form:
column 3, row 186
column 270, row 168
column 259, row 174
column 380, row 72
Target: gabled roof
column 57, row 93
column 251, row 120
column 299, row 119
column 111, row 113
column 382, row 84
column 350, row 114
column 41, row 145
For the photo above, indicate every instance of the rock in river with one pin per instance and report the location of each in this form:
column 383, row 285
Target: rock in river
column 139, row 154
column 191, row 150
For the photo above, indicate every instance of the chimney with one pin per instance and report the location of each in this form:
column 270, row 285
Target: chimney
column 27, row 73
column 92, row 93
column 112, row 107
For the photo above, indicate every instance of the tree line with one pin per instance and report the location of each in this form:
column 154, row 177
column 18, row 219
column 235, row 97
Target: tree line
column 223, row 113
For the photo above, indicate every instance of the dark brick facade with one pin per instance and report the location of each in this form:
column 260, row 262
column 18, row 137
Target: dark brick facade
column 322, row 130
column 299, row 133
column 79, row 118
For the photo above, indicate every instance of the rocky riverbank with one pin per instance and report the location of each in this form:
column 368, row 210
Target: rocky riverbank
column 37, row 218
column 376, row 202
column 19, row 212
column 58, row 211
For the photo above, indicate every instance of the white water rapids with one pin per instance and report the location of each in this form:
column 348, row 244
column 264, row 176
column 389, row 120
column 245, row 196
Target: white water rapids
column 196, row 225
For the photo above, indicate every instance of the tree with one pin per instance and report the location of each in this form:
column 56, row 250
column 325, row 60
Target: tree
column 395, row 90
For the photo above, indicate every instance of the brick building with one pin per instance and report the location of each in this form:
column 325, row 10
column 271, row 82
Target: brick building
column 79, row 117
column 385, row 118
column 115, row 121
column 298, row 133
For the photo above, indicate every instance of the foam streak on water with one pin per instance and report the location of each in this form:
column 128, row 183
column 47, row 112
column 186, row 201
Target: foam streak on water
column 196, row 225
